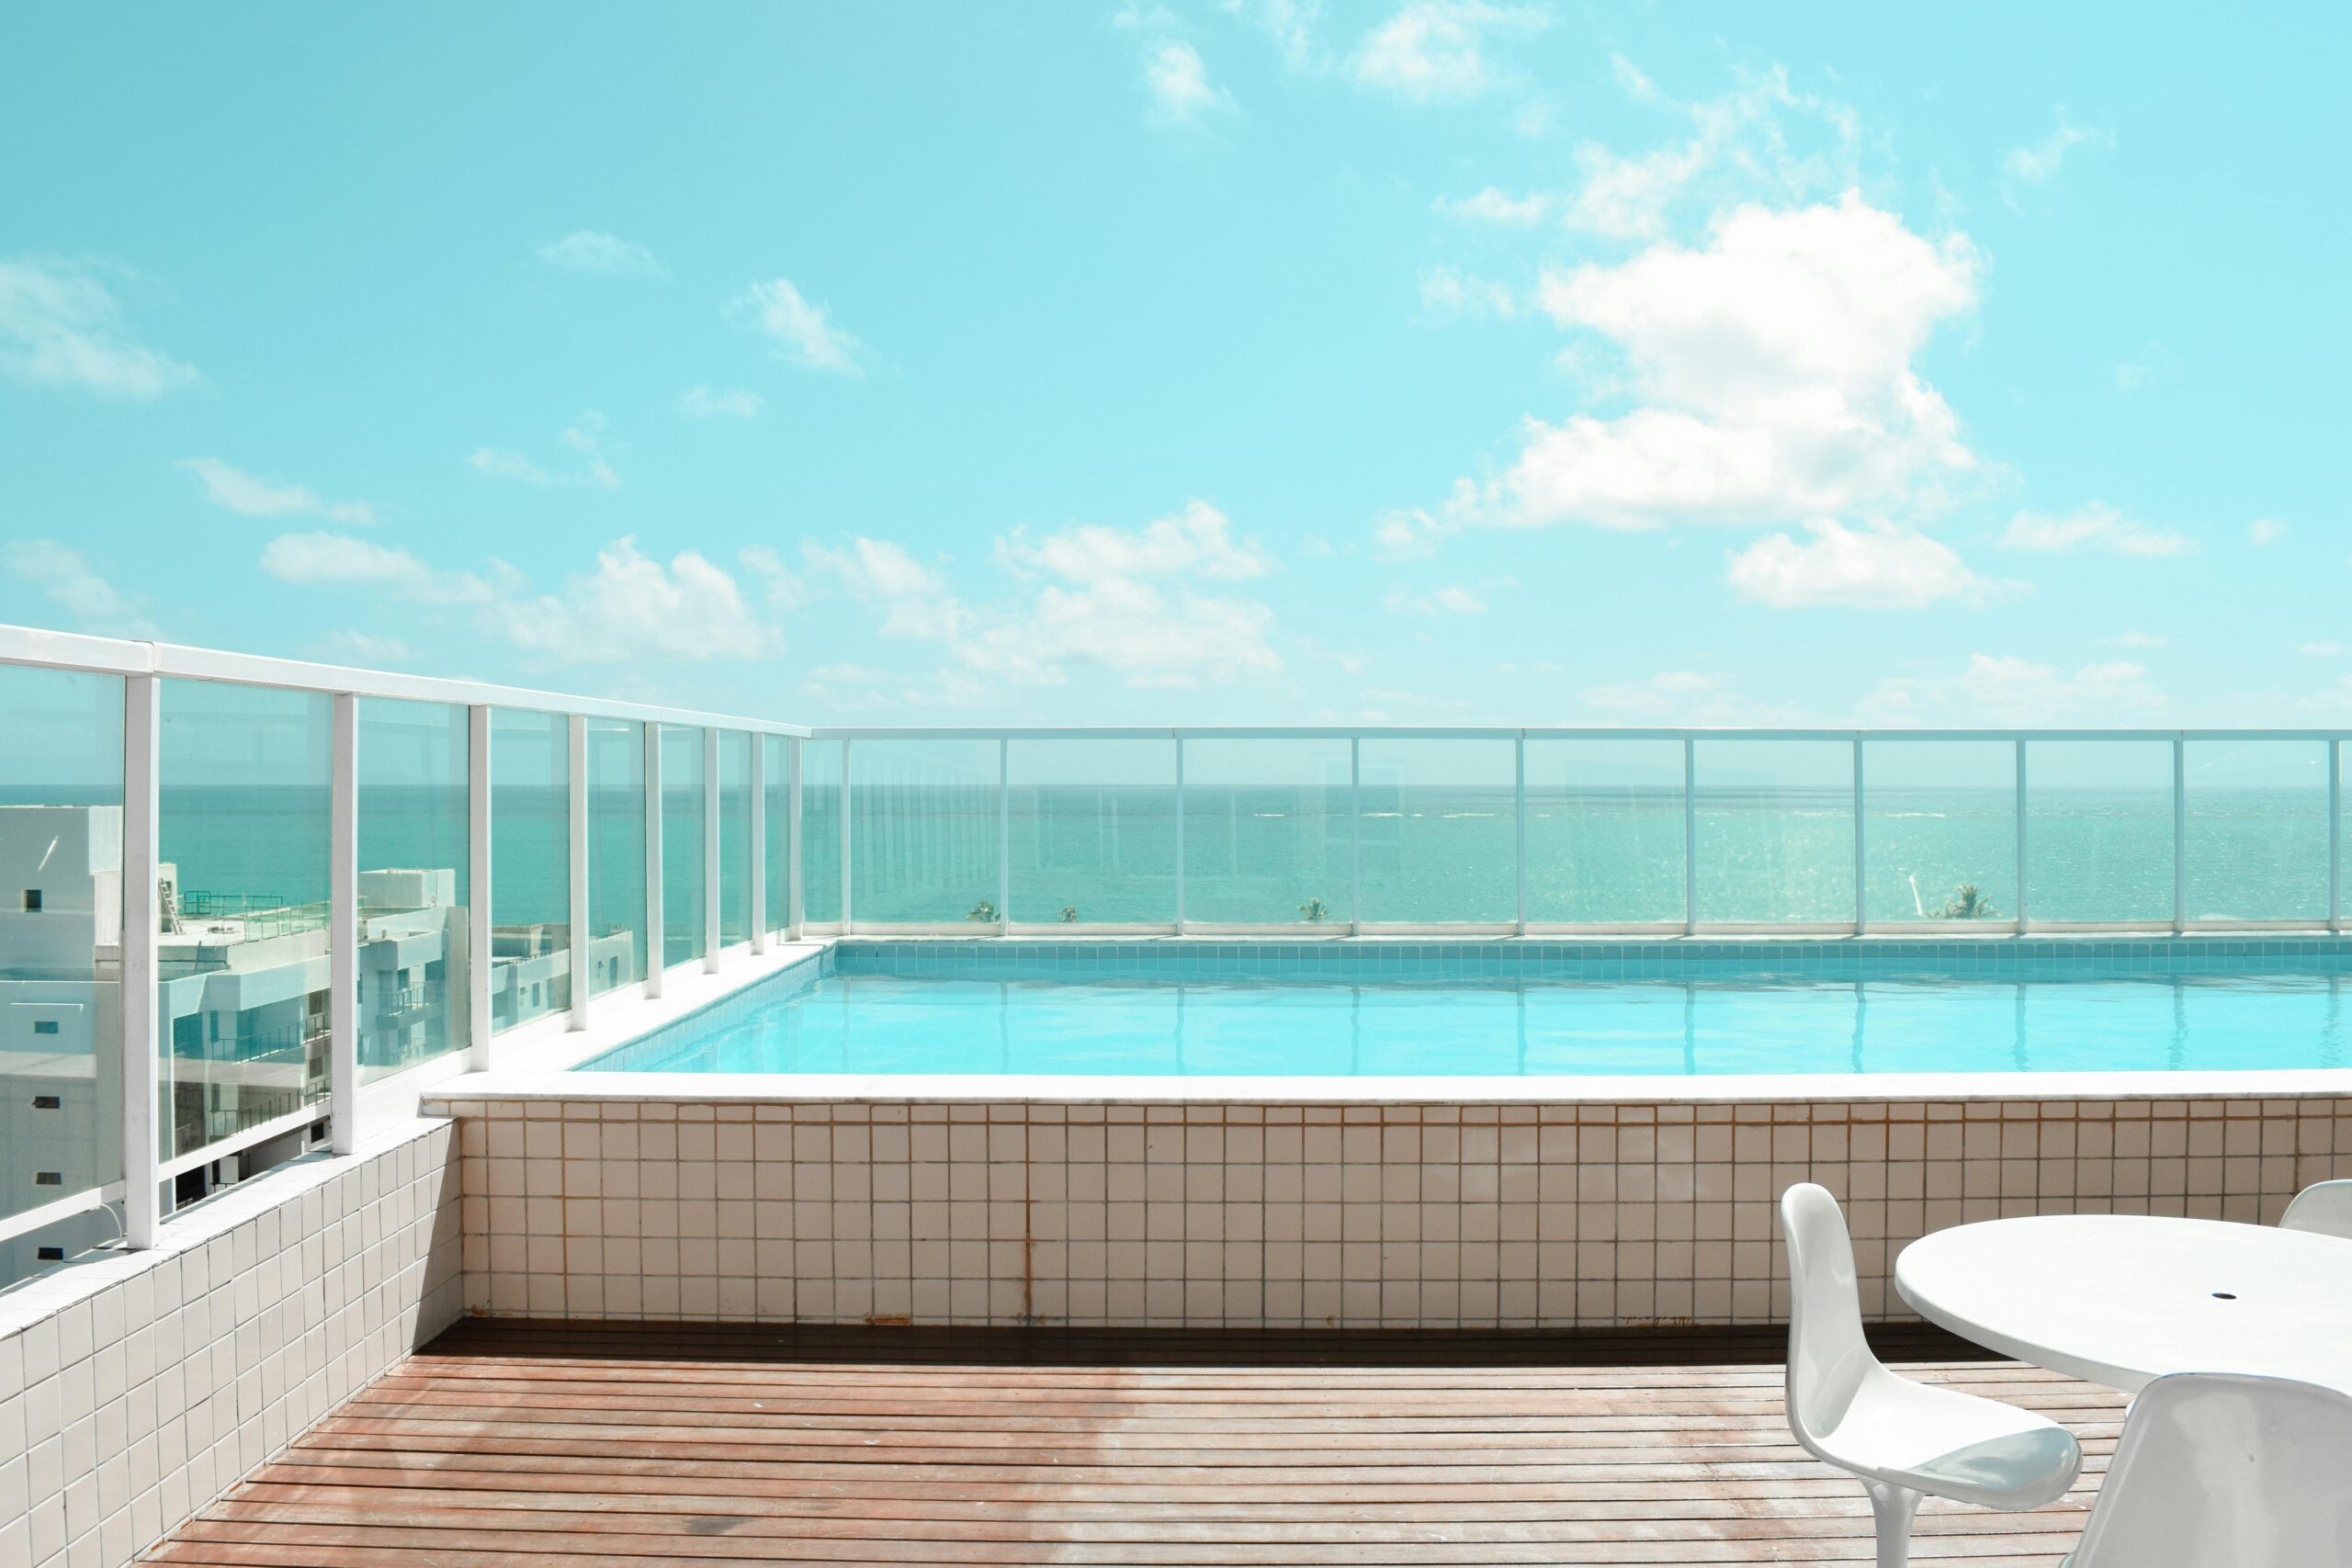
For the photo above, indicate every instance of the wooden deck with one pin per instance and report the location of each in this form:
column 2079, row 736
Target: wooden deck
column 617, row 1445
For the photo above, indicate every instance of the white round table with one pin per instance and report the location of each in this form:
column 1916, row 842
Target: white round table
column 2123, row 1298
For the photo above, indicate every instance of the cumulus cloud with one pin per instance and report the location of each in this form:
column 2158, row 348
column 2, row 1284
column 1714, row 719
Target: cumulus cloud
column 604, row 255
column 583, row 435
column 630, row 607
column 719, row 402
column 1178, row 84
column 799, row 329
column 250, row 496
column 60, row 325
column 1137, row 603
column 1450, row 294
column 1498, row 207
column 73, row 585
column 2096, row 526
column 2039, row 161
column 1436, row 50
column 1876, row 565
column 1773, row 366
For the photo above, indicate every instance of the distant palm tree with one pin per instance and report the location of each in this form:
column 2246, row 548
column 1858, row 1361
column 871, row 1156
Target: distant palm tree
column 1315, row 911
column 1967, row 904
column 982, row 911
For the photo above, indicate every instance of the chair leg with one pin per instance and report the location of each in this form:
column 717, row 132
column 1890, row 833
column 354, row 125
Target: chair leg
column 1890, row 1508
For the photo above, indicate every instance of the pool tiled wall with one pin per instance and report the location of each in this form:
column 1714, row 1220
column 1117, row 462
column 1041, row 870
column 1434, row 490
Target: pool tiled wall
column 1254, row 1214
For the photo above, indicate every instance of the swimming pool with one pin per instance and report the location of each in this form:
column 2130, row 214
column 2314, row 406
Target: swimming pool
column 1422, row 1009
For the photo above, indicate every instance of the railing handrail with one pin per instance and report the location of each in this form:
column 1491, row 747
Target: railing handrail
column 1526, row 732
column 117, row 656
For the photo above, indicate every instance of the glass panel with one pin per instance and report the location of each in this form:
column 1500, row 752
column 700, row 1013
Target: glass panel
column 734, row 837
column 1093, row 832
column 242, row 977
column 923, row 820
column 414, row 889
column 2098, row 830
column 60, row 935
column 682, row 867
column 1775, row 831
column 530, row 867
column 616, row 854
column 1604, row 831
column 1266, row 832
column 2256, row 833
column 821, row 832
column 777, row 780
column 1940, row 819
column 1438, row 841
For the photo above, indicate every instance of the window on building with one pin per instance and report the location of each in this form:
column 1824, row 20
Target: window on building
column 44, row 1026
column 32, row 900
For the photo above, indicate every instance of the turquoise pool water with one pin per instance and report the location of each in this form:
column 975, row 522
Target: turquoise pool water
column 1532, row 1022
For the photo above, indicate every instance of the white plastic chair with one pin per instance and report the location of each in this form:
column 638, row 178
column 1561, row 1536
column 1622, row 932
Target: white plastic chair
column 2325, row 1207
column 2218, row 1470
column 1904, row 1440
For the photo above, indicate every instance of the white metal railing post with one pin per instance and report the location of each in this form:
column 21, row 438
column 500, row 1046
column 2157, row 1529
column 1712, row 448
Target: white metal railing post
column 845, row 837
column 1689, row 836
column 1862, row 847
column 1003, row 836
column 710, row 859
column 657, row 939
column 796, row 912
column 2179, row 833
column 758, row 848
column 583, row 961
column 2335, row 835
column 141, row 926
column 1356, row 835
column 2022, row 917
column 1180, row 835
column 342, row 924
column 1519, row 828
column 479, row 968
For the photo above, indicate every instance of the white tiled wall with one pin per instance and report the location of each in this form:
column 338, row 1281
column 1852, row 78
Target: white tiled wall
column 135, row 1389
column 1269, row 1214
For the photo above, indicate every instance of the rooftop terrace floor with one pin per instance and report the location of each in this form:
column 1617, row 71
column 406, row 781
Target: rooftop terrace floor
column 621, row 1445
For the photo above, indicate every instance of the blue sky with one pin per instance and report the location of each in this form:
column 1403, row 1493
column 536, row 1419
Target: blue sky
column 1220, row 361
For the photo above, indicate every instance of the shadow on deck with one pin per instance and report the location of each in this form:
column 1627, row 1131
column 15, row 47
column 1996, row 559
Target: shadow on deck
column 576, row 1445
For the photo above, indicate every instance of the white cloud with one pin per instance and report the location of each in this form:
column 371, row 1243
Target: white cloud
column 61, row 326
column 631, row 607
column 1876, row 565
column 2040, row 159
column 1453, row 599
column 325, row 559
column 1293, row 25
column 2329, row 648
column 2096, row 526
column 1178, row 84
column 1687, row 696
column 2265, row 531
column 1494, row 204
column 1432, row 49
column 1774, row 368
column 800, row 329
column 2009, row 691
column 605, row 255
column 1448, row 294
column 253, row 496
column 719, row 402
column 69, row 582
column 1133, row 602
column 583, row 435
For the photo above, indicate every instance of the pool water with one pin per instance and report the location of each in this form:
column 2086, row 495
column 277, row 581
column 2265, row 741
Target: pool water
column 888, row 1024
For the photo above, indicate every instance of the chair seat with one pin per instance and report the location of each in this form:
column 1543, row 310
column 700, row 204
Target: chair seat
column 1950, row 1444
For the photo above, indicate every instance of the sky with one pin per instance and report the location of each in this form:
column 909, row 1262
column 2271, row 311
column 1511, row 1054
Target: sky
column 1219, row 361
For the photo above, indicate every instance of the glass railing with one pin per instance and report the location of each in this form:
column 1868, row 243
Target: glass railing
column 1499, row 831
column 233, row 890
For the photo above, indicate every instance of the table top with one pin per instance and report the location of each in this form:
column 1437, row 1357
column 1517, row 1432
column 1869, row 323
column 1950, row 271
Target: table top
column 2125, row 1299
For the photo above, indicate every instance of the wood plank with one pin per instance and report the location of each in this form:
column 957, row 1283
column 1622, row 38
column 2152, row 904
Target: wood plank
column 506, row 1444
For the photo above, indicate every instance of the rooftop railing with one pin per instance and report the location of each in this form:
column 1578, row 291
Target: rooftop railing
column 497, row 866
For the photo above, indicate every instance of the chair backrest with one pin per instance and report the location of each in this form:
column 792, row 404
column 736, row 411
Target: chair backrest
column 2323, row 1206
column 2217, row 1469
column 1827, row 1355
